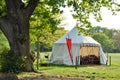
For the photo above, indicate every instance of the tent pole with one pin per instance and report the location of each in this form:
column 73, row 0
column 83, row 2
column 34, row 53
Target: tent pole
column 77, row 59
column 76, row 62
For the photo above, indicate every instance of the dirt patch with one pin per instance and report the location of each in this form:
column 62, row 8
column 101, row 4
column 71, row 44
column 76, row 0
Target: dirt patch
column 65, row 79
column 8, row 76
column 42, row 76
column 55, row 78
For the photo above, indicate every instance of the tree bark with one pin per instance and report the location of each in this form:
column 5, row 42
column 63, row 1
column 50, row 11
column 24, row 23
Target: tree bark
column 15, row 26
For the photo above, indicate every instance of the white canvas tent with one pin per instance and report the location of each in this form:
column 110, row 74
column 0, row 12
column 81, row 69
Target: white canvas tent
column 82, row 46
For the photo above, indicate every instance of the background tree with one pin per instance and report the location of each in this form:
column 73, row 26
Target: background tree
column 109, row 32
column 106, row 43
column 112, row 34
column 43, row 23
column 116, row 38
column 15, row 16
column 47, row 39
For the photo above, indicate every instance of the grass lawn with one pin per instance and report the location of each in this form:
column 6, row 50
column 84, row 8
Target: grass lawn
column 99, row 72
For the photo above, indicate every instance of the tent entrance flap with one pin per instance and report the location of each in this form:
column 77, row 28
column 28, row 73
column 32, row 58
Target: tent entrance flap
column 89, row 55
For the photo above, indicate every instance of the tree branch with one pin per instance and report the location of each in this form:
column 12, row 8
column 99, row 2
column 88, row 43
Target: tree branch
column 14, row 8
column 2, row 25
column 30, row 7
column 13, row 5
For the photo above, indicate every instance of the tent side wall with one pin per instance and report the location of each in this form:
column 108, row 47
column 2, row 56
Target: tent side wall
column 60, row 54
column 57, row 56
column 103, row 59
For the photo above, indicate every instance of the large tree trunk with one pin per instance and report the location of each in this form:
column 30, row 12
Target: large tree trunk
column 15, row 26
column 17, row 33
column 19, row 42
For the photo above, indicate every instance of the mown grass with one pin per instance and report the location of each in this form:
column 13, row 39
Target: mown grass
column 90, row 72
column 96, row 72
column 115, row 58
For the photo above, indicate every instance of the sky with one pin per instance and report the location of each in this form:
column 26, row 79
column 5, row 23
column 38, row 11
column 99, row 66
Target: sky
column 109, row 21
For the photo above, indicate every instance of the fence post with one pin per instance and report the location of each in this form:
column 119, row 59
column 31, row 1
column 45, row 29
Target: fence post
column 110, row 60
column 107, row 59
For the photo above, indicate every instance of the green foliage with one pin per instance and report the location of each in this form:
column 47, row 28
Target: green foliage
column 3, row 9
column 43, row 18
column 43, row 27
column 10, row 62
column 43, row 22
column 47, row 39
column 3, row 42
column 116, row 39
column 106, row 42
column 55, row 5
column 109, row 32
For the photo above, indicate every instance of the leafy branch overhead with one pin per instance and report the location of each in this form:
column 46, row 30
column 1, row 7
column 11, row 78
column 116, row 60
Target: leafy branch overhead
column 84, row 8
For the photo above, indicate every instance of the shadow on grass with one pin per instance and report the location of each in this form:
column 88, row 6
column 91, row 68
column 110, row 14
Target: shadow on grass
column 73, row 66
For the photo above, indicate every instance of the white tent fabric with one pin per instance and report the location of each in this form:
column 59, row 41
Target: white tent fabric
column 60, row 54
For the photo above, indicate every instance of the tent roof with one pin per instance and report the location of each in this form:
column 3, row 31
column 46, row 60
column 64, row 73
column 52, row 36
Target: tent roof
column 73, row 35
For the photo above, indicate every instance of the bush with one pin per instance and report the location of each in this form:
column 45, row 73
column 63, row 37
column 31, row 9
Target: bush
column 10, row 62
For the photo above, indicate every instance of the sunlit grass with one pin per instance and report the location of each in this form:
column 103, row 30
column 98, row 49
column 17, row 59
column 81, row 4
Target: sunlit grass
column 28, row 74
column 115, row 59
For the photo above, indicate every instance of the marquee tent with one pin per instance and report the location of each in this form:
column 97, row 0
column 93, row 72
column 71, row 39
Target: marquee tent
column 85, row 50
